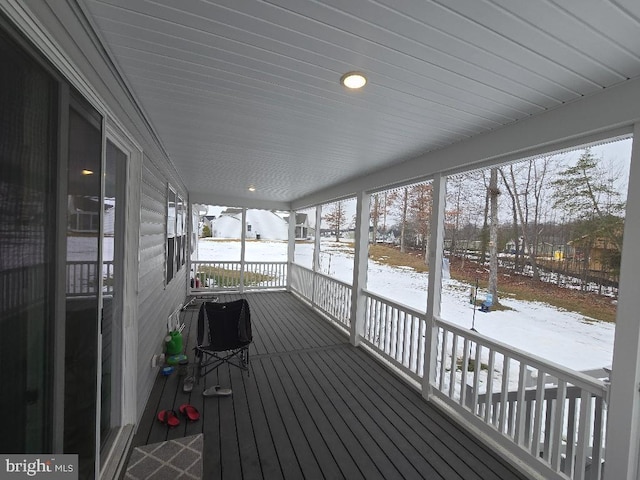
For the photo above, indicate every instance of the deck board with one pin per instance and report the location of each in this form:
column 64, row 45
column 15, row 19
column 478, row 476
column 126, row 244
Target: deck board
column 313, row 406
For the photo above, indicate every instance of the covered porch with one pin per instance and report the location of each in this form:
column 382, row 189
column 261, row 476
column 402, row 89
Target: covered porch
column 313, row 406
column 241, row 103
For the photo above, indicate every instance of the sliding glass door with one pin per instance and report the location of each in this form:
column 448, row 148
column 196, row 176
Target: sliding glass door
column 84, row 282
column 62, row 260
column 28, row 132
column 112, row 271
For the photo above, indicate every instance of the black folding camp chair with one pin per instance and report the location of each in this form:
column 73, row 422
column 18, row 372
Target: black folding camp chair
column 228, row 328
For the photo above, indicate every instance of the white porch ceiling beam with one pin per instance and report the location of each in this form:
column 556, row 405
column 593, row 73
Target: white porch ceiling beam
column 610, row 113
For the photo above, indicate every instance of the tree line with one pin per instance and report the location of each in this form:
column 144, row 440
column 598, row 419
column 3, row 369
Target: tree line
column 533, row 216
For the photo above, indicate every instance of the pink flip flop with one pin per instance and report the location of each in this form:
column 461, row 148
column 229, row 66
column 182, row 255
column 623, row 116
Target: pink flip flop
column 169, row 418
column 190, row 412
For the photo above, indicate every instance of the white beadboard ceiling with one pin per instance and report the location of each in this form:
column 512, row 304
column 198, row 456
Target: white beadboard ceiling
column 245, row 92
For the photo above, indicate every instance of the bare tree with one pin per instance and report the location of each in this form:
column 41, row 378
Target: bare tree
column 404, row 206
column 525, row 198
column 484, row 235
column 377, row 210
column 420, row 203
column 388, row 199
column 493, row 235
column 537, row 173
column 523, row 221
column 464, row 207
column 454, row 211
column 382, row 204
column 336, row 218
column 514, row 212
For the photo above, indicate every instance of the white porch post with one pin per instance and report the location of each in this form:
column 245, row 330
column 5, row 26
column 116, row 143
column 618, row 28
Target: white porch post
column 435, row 282
column 623, row 429
column 360, row 267
column 243, row 239
column 316, row 253
column 291, row 246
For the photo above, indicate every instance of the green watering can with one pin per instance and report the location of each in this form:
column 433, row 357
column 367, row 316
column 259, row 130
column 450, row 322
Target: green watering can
column 173, row 343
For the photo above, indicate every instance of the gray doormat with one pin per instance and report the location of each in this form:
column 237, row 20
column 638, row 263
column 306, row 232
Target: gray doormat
column 176, row 459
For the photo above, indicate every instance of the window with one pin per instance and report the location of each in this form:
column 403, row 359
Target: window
column 181, row 232
column 176, row 233
column 171, row 234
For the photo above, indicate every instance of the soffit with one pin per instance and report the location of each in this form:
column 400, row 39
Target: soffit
column 246, row 92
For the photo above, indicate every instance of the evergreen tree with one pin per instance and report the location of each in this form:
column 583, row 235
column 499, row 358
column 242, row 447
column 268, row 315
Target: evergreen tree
column 586, row 193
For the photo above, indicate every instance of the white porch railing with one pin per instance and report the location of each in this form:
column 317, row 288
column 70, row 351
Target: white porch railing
column 228, row 275
column 554, row 414
column 302, row 281
column 20, row 287
column 330, row 296
column 81, row 276
column 396, row 332
column 333, row 297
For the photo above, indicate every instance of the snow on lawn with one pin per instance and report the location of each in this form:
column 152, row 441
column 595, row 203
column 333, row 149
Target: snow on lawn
column 566, row 338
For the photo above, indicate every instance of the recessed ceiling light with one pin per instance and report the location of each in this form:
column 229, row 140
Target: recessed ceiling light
column 252, row 188
column 87, row 172
column 353, row 80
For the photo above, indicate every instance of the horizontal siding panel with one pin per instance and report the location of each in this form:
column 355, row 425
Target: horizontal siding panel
column 151, row 276
column 151, row 175
column 150, row 204
column 153, row 185
column 153, row 228
column 164, row 172
column 152, row 253
column 152, row 200
column 149, row 241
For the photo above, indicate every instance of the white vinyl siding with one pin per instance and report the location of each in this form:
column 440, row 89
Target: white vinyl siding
column 156, row 300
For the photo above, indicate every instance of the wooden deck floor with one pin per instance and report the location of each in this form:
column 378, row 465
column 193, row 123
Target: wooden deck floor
column 315, row 407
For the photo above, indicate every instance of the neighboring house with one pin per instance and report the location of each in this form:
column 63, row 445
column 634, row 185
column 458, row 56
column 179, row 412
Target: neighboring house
column 259, row 224
column 595, row 252
column 303, row 230
column 208, row 221
column 389, row 238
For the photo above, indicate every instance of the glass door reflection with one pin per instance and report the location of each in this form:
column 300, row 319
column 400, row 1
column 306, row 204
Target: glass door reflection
column 84, row 210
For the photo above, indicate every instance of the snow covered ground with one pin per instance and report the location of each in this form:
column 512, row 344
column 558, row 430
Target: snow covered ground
column 566, row 338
